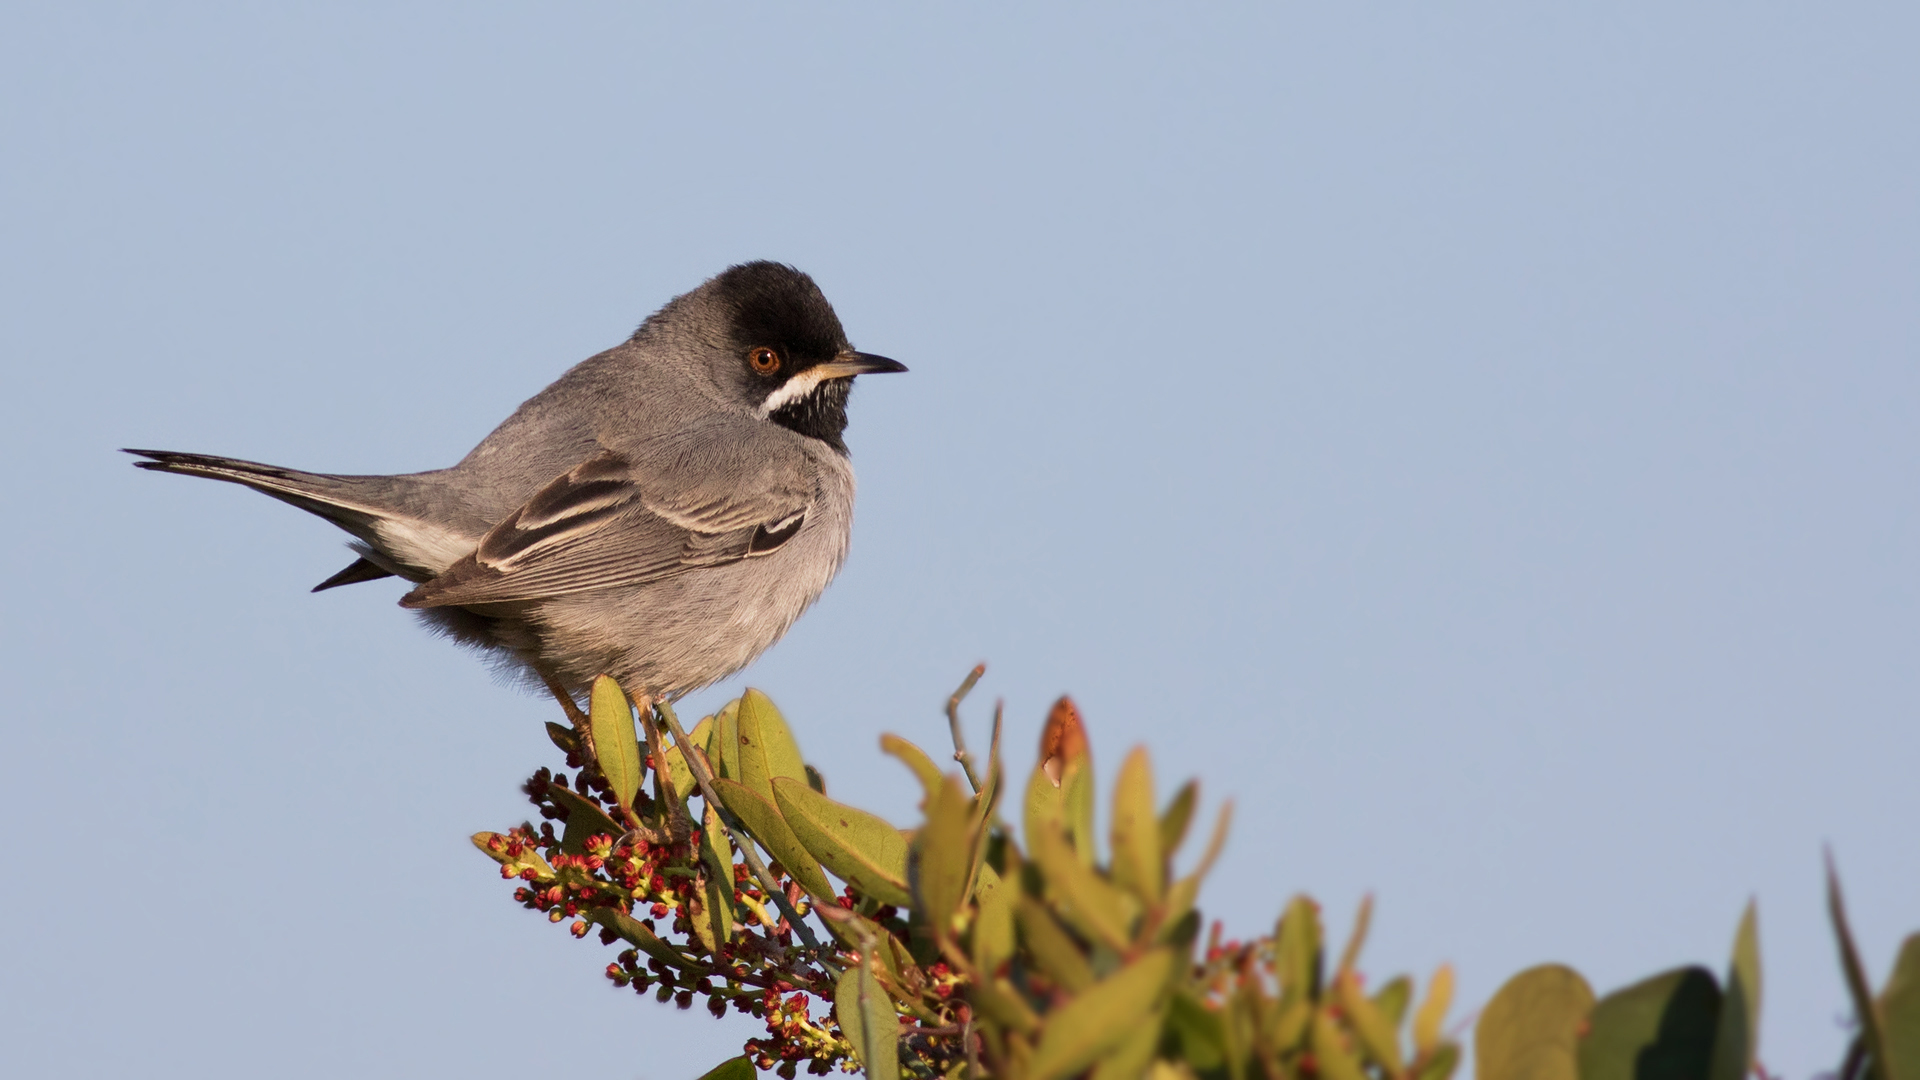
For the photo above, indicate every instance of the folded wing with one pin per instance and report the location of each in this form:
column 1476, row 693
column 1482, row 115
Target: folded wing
column 606, row 524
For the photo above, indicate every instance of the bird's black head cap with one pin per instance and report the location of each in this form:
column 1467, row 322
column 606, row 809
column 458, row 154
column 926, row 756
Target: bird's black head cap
column 791, row 362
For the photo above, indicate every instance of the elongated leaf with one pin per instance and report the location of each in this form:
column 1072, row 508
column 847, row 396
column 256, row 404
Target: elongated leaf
column 1178, row 815
column 1098, row 910
column 700, row 917
column 868, row 1020
column 861, row 849
column 1046, row 806
column 1130, row 1059
column 1001, row 1003
column 1739, row 1021
column 1096, row 1022
column 1900, row 1011
column 1137, row 861
column 673, row 763
column 1530, row 1030
column 1377, row 1037
column 585, row 818
column 939, row 861
column 739, row 1068
column 1433, row 1011
column 1330, row 1053
column 1662, row 1028
column 1872, row 1032
column 528, row 859
column 1197, row 1033
column 614, row 741
column 1440, row 1064
column 563, row 737
column 993, row 941
column 1077, row 787
column 1056, row 954
column 767, row 749
column 1297, row 950
column 638, row 934
column 1392, row 1000
column 1181, row 897
column 763, row 822
column 916, row 759
column 724, row 743
column 717, row 850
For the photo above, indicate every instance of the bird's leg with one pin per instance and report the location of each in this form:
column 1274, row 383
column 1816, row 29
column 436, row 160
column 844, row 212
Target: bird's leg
column 582, row 727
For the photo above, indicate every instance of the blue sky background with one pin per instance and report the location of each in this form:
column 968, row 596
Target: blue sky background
column 1482, row 442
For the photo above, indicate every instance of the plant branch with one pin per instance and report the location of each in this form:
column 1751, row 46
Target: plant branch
column 953, row 725
column 697, row 764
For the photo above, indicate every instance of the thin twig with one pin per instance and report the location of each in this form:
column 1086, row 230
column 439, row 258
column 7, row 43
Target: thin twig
column 953, row 724
column 696, row 764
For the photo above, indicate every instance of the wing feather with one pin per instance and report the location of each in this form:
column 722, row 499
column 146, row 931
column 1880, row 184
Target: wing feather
column 602, row 525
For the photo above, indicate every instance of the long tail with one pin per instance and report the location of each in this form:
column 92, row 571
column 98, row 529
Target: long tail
column 339, row 499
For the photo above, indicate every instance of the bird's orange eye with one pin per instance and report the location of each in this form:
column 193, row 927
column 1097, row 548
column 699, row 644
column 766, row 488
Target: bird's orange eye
column 764, row 360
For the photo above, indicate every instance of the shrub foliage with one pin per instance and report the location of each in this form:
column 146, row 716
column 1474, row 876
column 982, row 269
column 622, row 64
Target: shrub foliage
column 1000, row 938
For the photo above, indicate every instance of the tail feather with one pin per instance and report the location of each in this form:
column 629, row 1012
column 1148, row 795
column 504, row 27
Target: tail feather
column 379, row 510
column 330, row 497
column 359, row 570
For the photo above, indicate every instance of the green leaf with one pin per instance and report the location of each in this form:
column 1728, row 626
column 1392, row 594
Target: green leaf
column 528, row 857
column 916, row 759
column 585, row 818
column 739, row 1068
column 1662, row 1028
column 1739, row 1021
column 1130, row 1059
column 1330, row 1053
column 1297, row 950
column 1900, row 1010
column 1178, row 815
column 1196, row 1033
column 868, row 1020
column 1866, row 1010
column 1181, row 897
column 1377, row 1036
column 1137, row 861
column 1077, row 788
column 639, row 934
column 939, row 860
column 1099, row 911
column 1433, row 1011
column 763, row 822
column 717, row 849
column 860, row 848
column 1046, row 806
column 613, row 739
column 993, row 941
column 1440, row 1066
column 723, row 746
column 673, row 763
column 563, row 737
column 767, row 749
column 1003, row 1005
column 1054, row 952
column 1530, row 1030
column 1096, row 1022
column 1392, row 1000
column 701, row 917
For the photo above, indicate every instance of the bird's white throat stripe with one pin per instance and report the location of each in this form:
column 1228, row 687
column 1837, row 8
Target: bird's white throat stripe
column 791, row 391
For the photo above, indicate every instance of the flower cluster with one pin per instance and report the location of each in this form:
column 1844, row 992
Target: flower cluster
column 650, row 880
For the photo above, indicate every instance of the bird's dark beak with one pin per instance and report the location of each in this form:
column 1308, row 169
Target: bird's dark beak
column 849, row 364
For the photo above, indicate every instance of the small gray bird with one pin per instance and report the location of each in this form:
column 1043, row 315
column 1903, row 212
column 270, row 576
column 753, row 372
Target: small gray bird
column 662, row 513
